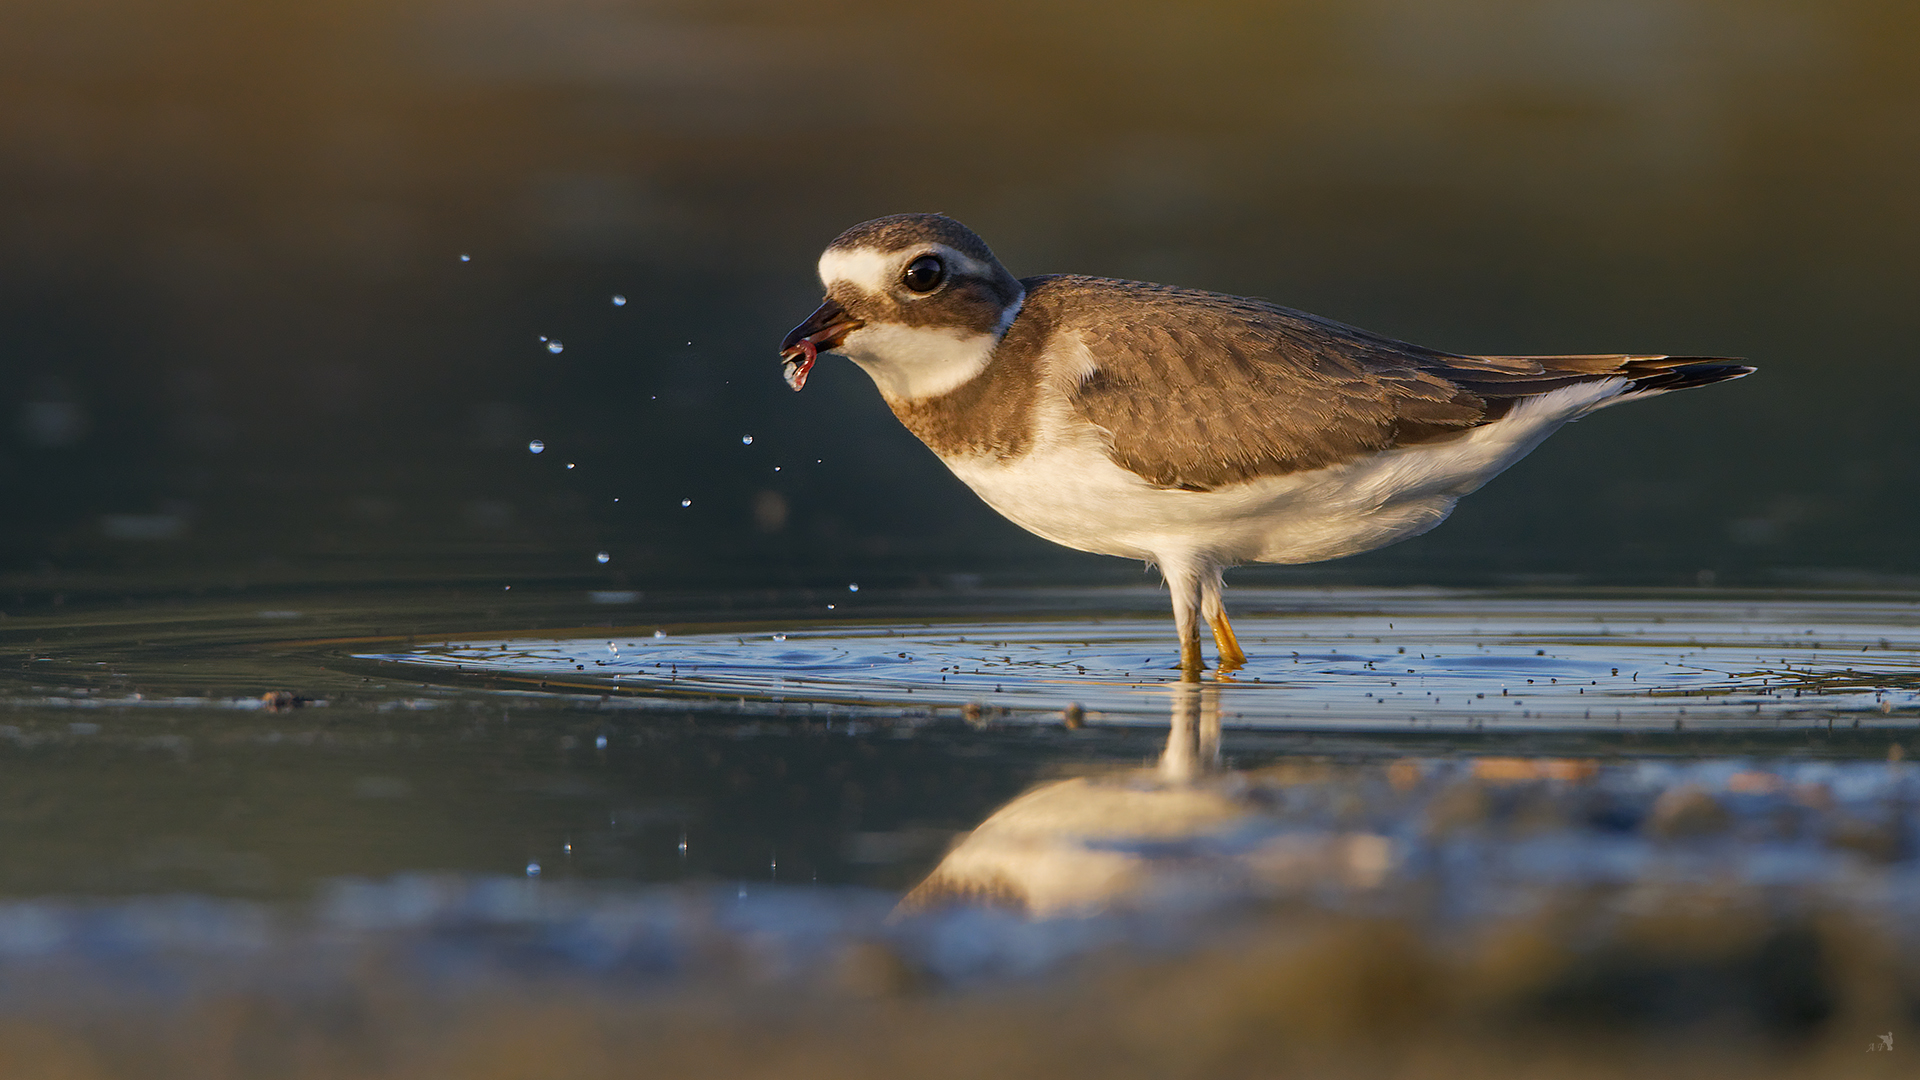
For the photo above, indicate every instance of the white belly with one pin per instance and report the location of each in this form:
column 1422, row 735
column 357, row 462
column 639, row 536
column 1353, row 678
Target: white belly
column 1067, row 490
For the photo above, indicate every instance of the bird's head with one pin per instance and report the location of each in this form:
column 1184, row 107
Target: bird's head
column 917, row 300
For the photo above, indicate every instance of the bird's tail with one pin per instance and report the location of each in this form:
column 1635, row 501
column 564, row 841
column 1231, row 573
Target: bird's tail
column 1503, row 381
column 1659, row 374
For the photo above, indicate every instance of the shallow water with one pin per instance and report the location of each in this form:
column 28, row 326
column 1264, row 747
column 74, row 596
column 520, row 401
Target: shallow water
column 601, row 800
column 1362, row 659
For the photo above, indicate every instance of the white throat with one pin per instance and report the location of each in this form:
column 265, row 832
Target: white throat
column 911, row 363
column 908, row 363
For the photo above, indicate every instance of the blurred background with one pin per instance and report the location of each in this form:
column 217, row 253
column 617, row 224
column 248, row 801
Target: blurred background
column 287, row 289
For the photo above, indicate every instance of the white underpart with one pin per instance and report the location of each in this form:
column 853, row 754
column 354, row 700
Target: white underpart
column 1069, row 491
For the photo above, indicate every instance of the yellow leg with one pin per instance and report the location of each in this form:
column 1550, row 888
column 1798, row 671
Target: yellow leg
column 1231, row 658
column 1190, row 665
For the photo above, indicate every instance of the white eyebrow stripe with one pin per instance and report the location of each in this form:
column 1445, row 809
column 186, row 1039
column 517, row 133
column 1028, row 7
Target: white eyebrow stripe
column 965, row 264
column 874, row 271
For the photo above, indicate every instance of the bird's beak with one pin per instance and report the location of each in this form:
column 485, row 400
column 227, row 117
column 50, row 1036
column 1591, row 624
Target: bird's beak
column 822, row 332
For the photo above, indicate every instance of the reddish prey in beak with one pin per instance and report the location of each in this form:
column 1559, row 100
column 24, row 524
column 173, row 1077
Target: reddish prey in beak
column 822, row 331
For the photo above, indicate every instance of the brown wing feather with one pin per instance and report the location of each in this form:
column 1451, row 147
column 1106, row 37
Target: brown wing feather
column 1197, row 390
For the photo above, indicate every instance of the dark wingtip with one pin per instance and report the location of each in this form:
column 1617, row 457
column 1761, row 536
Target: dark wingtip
column 1687, row 372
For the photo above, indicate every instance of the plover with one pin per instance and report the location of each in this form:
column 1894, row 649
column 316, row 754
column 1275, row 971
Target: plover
column 1189, row 429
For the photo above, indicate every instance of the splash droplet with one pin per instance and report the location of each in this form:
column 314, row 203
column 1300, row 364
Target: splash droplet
column 829, row 607
column 466, row 258
column 599, row 742
column 536, row 446
column 555, row 347
column 746, row 440
column 613, row 648
column 659, row 633
column 569, row 464
column 603, row 558
column 684, row 503
column 619, row 301
column 533, row 869
column 779, row 637
column 853, row 588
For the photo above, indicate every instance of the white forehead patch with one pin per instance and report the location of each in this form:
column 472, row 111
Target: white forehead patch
column 863, row 268
column 877, row 272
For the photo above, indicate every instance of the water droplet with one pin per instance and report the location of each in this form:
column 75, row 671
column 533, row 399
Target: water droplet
column 616, row 498
column 568, row 846
column 555, row 347
column 746, row 440
column 684, row 503
column 613, row 648
column 466, row 258
column 776, row 468
column 533, row 869
column 853, row 588
column 603, row 558
column 619, row 301
column 659, row 633
column 829, row 607
column 779, row 637
column 508, row 588
column 536, row 446
column 599, row 742
column 569, row 464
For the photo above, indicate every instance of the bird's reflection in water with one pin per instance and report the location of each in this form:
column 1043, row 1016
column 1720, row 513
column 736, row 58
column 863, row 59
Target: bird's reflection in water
column 1183, row 832
column 1193, row 736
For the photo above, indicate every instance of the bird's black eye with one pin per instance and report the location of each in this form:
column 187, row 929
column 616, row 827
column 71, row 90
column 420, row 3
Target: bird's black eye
column 924, row 274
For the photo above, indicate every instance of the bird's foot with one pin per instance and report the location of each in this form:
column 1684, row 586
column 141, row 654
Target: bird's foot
column 1232, row 658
